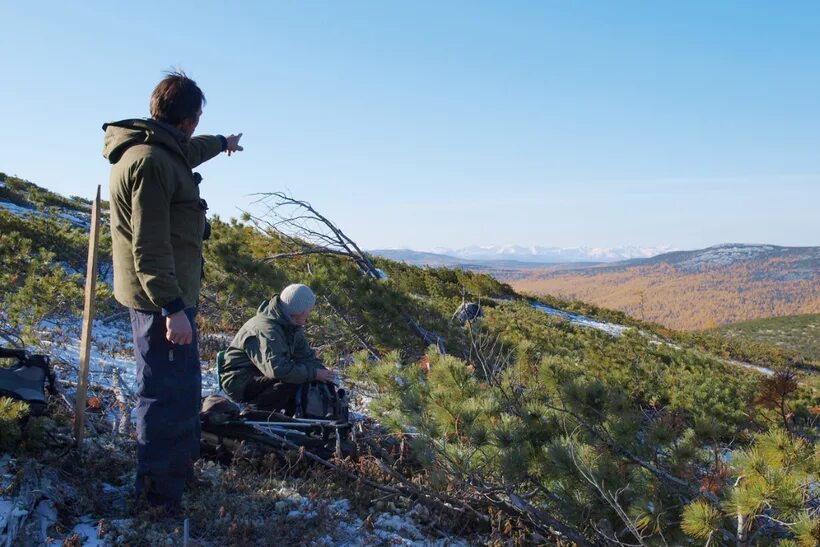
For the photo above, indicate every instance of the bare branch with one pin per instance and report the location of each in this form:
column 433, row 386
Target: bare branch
column 302, row 228
column 353, row 329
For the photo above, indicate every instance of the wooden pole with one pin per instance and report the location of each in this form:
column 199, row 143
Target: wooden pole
column 88, row 319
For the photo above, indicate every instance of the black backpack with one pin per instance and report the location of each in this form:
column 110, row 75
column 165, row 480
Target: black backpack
column 26, row 379
column 319, row 401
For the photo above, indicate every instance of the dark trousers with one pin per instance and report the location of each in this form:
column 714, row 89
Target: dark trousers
column 268, row 394
column 169, row 383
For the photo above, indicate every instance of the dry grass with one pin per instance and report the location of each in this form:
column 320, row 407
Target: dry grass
column 259, row 499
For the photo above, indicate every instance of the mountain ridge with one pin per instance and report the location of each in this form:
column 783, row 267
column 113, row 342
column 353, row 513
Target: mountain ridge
column 719, row 254
column 536, row 253
column 697, row 289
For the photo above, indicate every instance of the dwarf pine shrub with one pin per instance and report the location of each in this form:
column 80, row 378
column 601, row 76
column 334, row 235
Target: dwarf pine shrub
column 594, row 443
column 12, row 414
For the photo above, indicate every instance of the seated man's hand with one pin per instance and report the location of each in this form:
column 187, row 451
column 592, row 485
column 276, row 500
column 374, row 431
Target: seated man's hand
column 326, row 376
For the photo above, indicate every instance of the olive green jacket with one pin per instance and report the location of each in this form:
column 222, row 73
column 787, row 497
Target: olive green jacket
column 157, row 216
column 268, row 343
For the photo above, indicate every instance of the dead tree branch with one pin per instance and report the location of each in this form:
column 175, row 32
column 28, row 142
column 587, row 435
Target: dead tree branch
column 353, row 329
column 307, row 232
column 302, row 227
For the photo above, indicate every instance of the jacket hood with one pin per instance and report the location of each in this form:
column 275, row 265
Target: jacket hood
column 121, row 135
column 272, row 310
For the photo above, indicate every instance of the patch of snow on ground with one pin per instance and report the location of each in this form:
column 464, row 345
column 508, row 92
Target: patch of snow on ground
column 87, row 530
column 111, row 354
column 387, row 529
column 6, row 508
column 583, row 321
column 618, row 330
column 7, row 505
column 6, row 476
column 762, row 370
column 19, row 210
column 9, row 510
column 77, row 218
column 388, row 525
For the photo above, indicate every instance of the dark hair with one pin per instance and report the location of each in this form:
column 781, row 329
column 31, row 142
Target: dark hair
column 176, row 98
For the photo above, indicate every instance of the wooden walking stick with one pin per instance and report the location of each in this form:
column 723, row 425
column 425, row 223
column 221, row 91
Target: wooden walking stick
column 88, row 319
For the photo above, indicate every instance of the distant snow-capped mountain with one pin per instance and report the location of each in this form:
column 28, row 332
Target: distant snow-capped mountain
column 536, row 253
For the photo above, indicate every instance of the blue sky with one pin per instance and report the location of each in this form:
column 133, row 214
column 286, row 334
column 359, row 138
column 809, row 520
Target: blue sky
column 446, row 124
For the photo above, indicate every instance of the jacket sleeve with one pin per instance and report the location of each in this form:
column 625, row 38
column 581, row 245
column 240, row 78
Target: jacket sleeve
column 151, row 235
column 270, row 356
column 305, row 354
column 202, row 148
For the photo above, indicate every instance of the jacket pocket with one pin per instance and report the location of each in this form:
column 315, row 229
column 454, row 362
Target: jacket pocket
column 188, row 221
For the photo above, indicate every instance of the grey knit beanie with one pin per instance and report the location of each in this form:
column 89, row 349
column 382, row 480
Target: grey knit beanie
column 296, row 299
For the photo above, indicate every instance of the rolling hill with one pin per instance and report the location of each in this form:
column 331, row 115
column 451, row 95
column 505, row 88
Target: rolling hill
column 501, row 432
column 799, row 333
column 698, row 289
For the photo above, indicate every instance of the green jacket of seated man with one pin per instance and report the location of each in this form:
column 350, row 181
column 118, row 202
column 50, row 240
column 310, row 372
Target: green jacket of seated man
column 271, row 345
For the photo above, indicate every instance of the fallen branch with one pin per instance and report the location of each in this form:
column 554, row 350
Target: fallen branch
column 429, row 337
column 365, row 344
column 301, row 227
column 542, row 518
column 309, row 231
column 405, row 488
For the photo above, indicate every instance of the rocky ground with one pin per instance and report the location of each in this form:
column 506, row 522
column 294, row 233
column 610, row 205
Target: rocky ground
column 52, row 493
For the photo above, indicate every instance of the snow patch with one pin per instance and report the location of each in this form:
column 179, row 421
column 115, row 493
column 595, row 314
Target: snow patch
column 19, row 210
column 87, row 530
column 583, row 321
column 76, row 218
column 390, row 525
column 111, row 354
column 725, row 255
column 7, row 505
column 6, row 508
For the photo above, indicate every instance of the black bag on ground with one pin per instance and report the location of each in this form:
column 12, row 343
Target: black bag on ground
column 320, row 401
column 26, row 378
column 218, row 410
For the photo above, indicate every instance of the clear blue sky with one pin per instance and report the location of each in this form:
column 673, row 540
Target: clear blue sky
column 427, row 124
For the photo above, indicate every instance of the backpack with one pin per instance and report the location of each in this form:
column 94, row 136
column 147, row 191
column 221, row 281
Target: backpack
column 319, row 401
column 218, row 410
column 25, row 380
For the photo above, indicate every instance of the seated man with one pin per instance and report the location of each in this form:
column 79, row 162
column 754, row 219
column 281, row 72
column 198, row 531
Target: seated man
column 270, row 356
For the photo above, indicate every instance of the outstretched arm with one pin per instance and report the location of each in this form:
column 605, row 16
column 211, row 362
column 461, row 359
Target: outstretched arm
column 204, row 147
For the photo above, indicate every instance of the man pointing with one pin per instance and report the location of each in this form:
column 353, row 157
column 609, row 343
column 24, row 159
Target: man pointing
column 157, row 228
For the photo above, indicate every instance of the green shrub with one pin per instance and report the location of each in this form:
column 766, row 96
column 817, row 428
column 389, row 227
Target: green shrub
column 12, row 413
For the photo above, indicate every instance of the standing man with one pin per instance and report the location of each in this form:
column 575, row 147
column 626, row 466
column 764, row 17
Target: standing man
column 157, row 227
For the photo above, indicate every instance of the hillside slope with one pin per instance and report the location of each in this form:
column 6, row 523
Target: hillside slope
column 799, row 333
column 695, row 289
column 507, row 438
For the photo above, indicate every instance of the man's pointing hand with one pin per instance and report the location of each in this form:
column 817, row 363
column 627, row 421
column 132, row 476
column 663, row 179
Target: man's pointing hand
column 233, row 144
